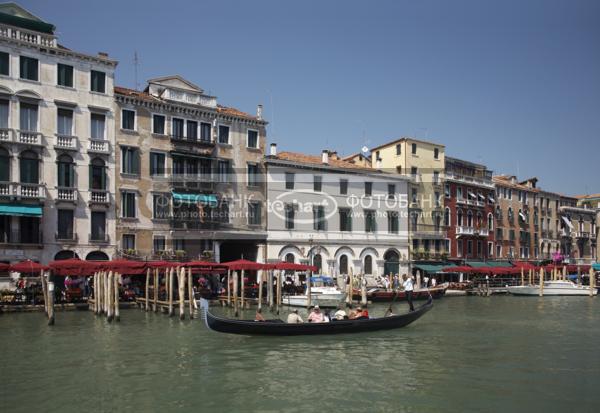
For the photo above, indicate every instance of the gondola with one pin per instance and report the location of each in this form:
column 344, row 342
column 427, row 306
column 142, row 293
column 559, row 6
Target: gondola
column 280, row 328
column 378, row 295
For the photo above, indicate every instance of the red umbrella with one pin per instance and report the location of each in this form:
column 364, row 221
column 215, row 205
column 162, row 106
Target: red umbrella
column 245, row 265
column 27, row 266
column 163, row 264
column 4, row 267
column 125, row 267
column 74, row 267
column 292, row 266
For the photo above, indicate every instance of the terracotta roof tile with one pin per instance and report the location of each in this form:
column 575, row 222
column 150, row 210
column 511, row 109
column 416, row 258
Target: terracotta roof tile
column 587, row 196
column 317, row 160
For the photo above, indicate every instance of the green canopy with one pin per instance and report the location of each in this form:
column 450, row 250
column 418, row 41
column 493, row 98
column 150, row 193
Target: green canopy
column 479, row 264
column 596, row 266
column 500, row 264
column 205, row 199
column 21, row 210
column 432, row 268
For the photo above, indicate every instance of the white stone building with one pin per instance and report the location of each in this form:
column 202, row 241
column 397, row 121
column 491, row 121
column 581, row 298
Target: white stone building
column 336, row 215
column 56, row 145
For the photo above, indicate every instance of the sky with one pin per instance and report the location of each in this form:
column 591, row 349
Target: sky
column 512, row 84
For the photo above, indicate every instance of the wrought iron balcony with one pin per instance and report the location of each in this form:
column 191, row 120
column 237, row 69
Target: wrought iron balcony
column 21, row 238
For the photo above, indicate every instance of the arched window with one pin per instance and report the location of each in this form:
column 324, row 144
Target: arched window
column 66, row 172
column 510, row 213
column 318, row 262
column 97, row 174
column 29, row 166
column 391, row 262
column 344, row 264
column 97, row 256
column 479, row 220
column 4, row 165
column 469, row 218
column 368, row 265
column 490, row 222
column 447, row 217
column 459, row 217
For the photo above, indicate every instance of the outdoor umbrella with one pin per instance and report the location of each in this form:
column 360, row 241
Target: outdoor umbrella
column 74, row 267
column 27, row 266
column 291, row 266
column 125, row 267
column 245, row 265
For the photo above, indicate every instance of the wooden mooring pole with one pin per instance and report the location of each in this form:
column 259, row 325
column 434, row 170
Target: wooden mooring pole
column 169, row 273
column 181, row 285
column 116, row 286
column 259, row 274
column 50, row 300
column 148, row 289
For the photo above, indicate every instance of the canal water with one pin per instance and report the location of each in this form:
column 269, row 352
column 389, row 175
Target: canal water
column 495, row 354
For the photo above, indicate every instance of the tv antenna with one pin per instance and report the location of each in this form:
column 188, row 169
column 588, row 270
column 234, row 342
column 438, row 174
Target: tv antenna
column 136, row 63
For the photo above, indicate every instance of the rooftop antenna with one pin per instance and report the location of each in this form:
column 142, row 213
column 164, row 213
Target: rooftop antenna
column 136, row 63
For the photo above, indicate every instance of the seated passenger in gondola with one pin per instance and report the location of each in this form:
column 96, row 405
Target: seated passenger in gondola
column 360, row 313
column 316, row 316
column 294, row 318
column 340, row 314
column 258, row 316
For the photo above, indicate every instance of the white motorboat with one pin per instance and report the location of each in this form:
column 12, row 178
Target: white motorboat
column 323, row 294
column 552, row 288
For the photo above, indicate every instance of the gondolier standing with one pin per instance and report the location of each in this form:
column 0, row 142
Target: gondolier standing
column 407, row 283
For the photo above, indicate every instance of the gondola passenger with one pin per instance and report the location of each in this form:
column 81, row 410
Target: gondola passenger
column 316, row 316
column 294, row 318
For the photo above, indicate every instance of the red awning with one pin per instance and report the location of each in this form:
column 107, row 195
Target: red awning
column 291, row 266
column 74, row 267
column 163, row 264
column 244, row 265
column 460, row 268
column 27, row 266
column 125, row 267
column 4, row 266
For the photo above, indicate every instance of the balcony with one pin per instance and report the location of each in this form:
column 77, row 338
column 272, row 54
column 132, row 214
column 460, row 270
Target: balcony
column 465, row 230
column 67, row 194
column 197, row 224
column 99, row 196
column 29, row 138
column 565, row 233
column 582, row 235
column 427, row 230
column 29, row 191
column 100, row 238
column 192, row 182
column 21, row 238
column 17, row 33
column 5, row 189
column 198, row 146
column 6, row 135
column 487, row 183
column 67, row 143
column 99, row 147
column 67, row 237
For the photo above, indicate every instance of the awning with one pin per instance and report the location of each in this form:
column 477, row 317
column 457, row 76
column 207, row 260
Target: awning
column 472, row 195
column 491, row 198
column 522, row 216
column 482, row 197
column 433, row 268
column 501, row 264
column 596, row 266
column 21, row 210
column 479, row 264
column 205, row 199
column 568, row 222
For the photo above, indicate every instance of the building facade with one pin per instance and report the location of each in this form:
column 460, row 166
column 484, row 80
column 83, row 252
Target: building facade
column 470, row 201
column 424, row 163
column 336, row 215
column 592, row 202
column 189, row 175
column 56, row 145
column 578, row 231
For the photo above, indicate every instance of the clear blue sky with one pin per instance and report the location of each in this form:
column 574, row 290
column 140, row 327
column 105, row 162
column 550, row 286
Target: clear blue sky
column 513, row 84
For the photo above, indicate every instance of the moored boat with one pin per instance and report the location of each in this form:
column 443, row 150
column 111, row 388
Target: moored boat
column 386, row 295
column 322, row 293
column 558, row 287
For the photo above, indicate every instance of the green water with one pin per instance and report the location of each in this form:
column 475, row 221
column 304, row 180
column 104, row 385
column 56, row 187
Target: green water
column 496, row 354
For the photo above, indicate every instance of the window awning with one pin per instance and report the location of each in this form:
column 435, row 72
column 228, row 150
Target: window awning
column 478, row 264
column 522, row 216
column 472, row 195
column 491, row 198
column 568, row 222
column 205, row 199
column 596, row 266
column 21, row 210
column 433, row 268
column 481, row 196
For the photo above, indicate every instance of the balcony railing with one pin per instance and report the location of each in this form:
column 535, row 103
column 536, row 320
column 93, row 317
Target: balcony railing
column 427, row 229
column 582, row 235
column 197, row 225
column 67, row 236
column 99, row 238
column 66, row 142
column 5, row 189
column 6, row 135
column 27, row 36
column 451, row 176
column 29, row 137
column 465, row 230
column 66, row 194
column 31, row 191
column 98, row 146
column 99, row 196
column 197, row 141
column 21, row 237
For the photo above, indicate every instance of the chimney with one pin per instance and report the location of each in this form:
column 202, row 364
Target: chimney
column 273, row 151
column 103, row 55
column 259, row 110
column 325, row 156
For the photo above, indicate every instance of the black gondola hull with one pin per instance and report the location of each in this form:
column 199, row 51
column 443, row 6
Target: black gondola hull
column 279, row 328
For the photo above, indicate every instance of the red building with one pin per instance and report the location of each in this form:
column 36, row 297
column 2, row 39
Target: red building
column 469, row 210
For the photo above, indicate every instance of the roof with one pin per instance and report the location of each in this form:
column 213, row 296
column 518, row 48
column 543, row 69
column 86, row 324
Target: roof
column 592, row 196
column 505, row 180
column 15, row 15
column 148, row 97
column 404, row 139
column 177, row 80
column 317, row 161
column 469, row 163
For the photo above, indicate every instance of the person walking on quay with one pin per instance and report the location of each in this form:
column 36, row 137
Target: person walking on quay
column 408, row 289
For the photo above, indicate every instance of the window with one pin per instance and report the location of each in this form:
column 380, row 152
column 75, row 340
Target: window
column 391, row 191
column 414, row 148
column 254, row 213
column 128, row 119
column 160, row 206
column 343, row 264
column 317, row 183
column 490, row 222
column 98, row 81
column 158, row 124
column 289, row 180
column 447, row 217
column 436, row 153
column 65, row 224
column 343, row 186
column 177, row 128
column 436, row 177
column 29, row 68
column 28, row 117
column 128, row 204
column 447, row 190
column 192, row 130
column 368, row 265
column 64, row 122
column 65, row 75
column 223, row 134
column 98, row 226
column 437, row 198
column 179, row 244
column 252, row 139
column 4, row 64
column 157, row 163
column 393, row 225
column 97, row 126
column 97, row 174
column 159, row 243
column 289, row 216
column 4, row 110
column 4, row 165
column 222, row 171
column 370, row 222
column 459, row 218
column 130, row 161
column 469, row 218
column 345, row 219
column 205, row 132
column 377, row 157
column 398, row 149
column 469, row 247
column 66, row 172
column 253, row 175
column 223, row 212
column 319, row 218
column 318, row 262
column 368, row 188
column 128, row 242
column 459, row 248
column 414, row 171
column 29, row 168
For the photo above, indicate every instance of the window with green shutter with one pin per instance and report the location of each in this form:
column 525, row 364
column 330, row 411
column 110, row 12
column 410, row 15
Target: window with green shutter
column 65, row 75
column 29, row 68
column 4, row 64
column 97, row 81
